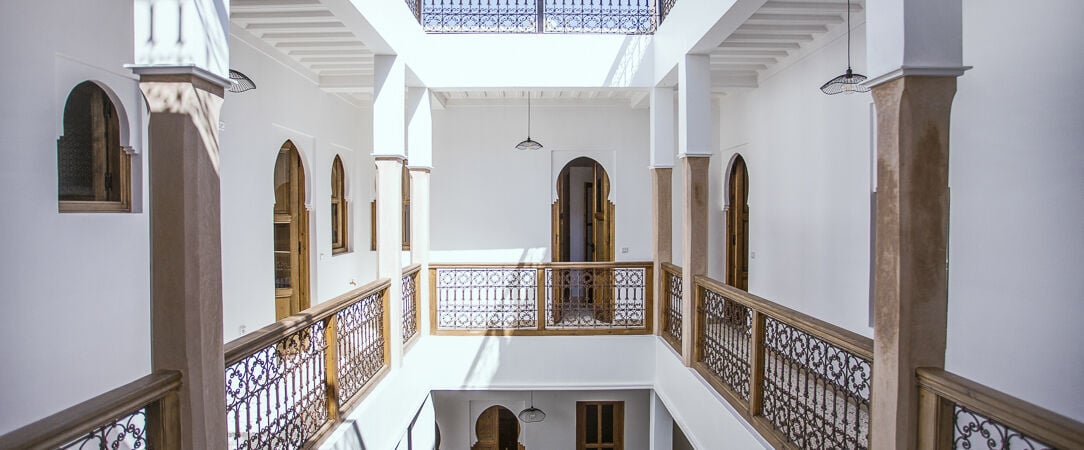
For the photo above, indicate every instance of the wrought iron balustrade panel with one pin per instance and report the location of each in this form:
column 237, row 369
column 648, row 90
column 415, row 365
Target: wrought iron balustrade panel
column 725, row 339
column 664, row 9
column 129, row 431
column 972, row 430
column 410, row 310
column 359, row 334
column 815, row 393
column 672, row 319
column 276, row 397
column 599, row 16
column 486, row 298
column 479, row 16
column 592, row 298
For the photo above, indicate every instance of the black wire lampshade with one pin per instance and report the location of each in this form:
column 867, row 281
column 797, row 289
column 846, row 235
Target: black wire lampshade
column 529, row 144
column 240, row 82
column 849, row 82
column 532, row 414
column 845, row 84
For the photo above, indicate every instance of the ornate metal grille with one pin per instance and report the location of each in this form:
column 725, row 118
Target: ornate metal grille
column 359, row 333
column 276, row 397
column 672, row 313
column 596, row 297
column 539, row 16
column 415, row 8
column 486, row 298
column 410, row 299
column 599, row 16
column 973, row 430
column 815, row 393
column 725, row 337
column 129, row 431
column 479, row 16
column 664, row 8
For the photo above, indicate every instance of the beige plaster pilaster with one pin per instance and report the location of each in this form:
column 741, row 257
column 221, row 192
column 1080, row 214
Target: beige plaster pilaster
column 389, row 244
column 419, row 234
column 694, row 242
column 911, row 250
column 186, row 255
column 662, row 233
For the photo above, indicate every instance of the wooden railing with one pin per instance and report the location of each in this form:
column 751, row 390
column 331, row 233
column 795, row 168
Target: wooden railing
column 548, row 298
column 955, row 412
column 140, row 414
column 411, row 301
column 288, row 383
column 671, row 306
column 802, row 382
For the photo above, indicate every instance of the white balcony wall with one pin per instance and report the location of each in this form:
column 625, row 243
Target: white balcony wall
column 76, row 285
column 287, row 106
column 809, row 162
column 1017, row 179
column 492, row 203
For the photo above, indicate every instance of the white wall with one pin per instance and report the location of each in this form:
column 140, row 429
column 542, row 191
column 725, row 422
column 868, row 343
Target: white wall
column 491, row 203
column 1017, row 179
column 256, row 123
column 457, row 413
column 808, row 156
column 76, row 285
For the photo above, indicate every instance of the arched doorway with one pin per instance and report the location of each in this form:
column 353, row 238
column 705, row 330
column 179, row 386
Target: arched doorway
column 583, row 225
column 291, row 234
column 583, row 231
column 737, row 226
column 497, row 429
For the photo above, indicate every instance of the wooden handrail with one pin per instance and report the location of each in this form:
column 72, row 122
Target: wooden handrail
column 411, row 269
column 75, row 422
column 1034, row 421
column 835, row 335
column 248, row 344
column 671, row 268
column 546, row 265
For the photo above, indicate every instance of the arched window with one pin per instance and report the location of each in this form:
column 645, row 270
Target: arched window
column 92, row 170
column 340, row 222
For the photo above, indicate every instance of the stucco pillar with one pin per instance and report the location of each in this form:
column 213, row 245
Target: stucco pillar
column 662, row 163
column 662, row 425
column 389, row 150
column 419, row 234
column 694, row 242
column 186, row 251
column 911, row 250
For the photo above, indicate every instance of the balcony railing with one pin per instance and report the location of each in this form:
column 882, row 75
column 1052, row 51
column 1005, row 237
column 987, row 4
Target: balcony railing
column 140, row 414
column 671, row 306
column 955, row 412
column 533, row 299
column 287, row 383
column 540, row 16
column 803, row 383
column 411, row 302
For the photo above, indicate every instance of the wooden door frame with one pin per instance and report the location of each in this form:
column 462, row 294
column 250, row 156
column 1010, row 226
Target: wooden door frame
column 737, row 224
column 618, row 426
column 299, row 235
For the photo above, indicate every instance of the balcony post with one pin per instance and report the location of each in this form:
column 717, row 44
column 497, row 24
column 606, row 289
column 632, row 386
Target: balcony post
column 662, row 195
column 694, row 147
column 420, row 151
column 389, row 151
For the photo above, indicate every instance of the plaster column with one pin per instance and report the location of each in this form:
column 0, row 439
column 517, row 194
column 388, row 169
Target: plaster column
column 662, row 425
column 186, row 251
column 419, row 233
column 662, row 212
column 389, row 244
column 694, row 150
column 911, row 250
column 389, row 151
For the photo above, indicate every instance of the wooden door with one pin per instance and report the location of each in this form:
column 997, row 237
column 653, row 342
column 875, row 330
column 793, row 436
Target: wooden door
column 290, row 234
column 600, row 425
column 737, row 224
column 497, row 428
column 602, row 280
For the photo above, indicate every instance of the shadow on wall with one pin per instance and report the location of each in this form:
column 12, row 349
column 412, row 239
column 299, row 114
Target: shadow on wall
column 631, row 62
column 352, row 440
column 489, row 255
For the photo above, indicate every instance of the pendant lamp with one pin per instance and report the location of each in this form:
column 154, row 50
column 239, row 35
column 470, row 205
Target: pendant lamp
column 529, row 144
column 240, row 82
column 848, row 82
column 532, row 414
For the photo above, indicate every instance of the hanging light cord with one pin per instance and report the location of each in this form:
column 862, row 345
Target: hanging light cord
column 848, row 39
column 529, row 138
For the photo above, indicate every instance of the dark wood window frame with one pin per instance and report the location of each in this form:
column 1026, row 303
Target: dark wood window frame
column 588, row 439
column 340, row 215
column 110, row 183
